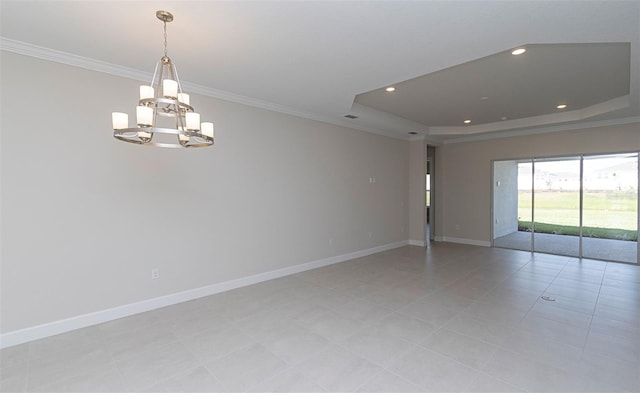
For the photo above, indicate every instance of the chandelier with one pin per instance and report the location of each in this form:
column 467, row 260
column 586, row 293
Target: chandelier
column 164, row 115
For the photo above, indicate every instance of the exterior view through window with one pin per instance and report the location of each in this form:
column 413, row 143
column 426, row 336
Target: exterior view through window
column 582, row 206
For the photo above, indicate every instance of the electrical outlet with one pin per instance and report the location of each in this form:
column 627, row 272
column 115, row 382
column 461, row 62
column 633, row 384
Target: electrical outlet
column 370, row 235
column 155, row 273
column 457, row 227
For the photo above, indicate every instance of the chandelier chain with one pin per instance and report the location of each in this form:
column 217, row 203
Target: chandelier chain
column 165, row 38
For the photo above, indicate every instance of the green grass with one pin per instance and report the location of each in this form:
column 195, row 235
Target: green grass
column 602, row 233
column 607, row 211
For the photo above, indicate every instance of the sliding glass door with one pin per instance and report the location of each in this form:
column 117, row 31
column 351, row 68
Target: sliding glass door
column 556, row 206
column 581, row 206
column 610, row 213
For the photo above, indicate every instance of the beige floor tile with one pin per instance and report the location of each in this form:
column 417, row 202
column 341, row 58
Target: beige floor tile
column 498, row 312
column 555, row 330
column 246, row 367
column 102, row 381
column 433, row 313
column 434, row 372
column 377, row 346
column 195, row 322
column 216, row 342
column 386, row 382
column 132, row 342
column 196, row 380
column 542, row 349
column 488, row 384
column 492, row 332
column 364, row 311
column 13, row 377
column 56, row 368
column 18, row 354
column 335, row 326
column 529, row 375
column 406, row 328
column 66, row 345
column 338, row 370
column 288, row 381
column 158, row 364
column 467, row 350
column 296, row 345
column 614, row 346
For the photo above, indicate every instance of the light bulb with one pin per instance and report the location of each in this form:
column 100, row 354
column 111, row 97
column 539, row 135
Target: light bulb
column 169, row 88
column 207, row 129
column 193, row 121
column 184, row 98
column 120, row 120
column 146, row 92
column 144, row 116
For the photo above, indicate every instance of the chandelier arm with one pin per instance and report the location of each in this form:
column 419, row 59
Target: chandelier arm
column 155, row 73
column 161, row 77
column 174, row 71
column 201, row 140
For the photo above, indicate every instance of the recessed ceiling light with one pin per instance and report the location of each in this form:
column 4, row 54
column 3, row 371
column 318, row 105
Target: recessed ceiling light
column 561, row 106
column 413, row 133
column 467, row 121
column 390, row 89
column 484, row 98
column 518, row 51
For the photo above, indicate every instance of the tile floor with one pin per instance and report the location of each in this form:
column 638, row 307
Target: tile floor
column 448, row 318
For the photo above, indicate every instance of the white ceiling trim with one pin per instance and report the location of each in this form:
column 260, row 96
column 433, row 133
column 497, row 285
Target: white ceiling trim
column 542, row 130
column 23, row 48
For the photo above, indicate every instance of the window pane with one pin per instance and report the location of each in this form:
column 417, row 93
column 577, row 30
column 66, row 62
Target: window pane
column 556, row 202
column 610, row 217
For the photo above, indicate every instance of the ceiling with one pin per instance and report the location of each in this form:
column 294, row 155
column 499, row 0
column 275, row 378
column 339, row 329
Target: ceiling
column 324, row 60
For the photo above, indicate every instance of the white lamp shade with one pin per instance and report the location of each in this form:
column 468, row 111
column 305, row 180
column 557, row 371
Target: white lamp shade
column 169, row 88
column 120, row 120
column 143, row 134
column 146, row 92
column 193, row 121
column 144, row 116
column 207, row 129
column 183, row 138
column 184, row 98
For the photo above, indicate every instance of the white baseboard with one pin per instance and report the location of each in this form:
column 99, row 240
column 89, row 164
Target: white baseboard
column 16, row 337
column 420, row 243
column 460, row 240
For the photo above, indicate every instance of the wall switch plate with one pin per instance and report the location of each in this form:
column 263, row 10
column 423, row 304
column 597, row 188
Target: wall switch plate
column 155, row 273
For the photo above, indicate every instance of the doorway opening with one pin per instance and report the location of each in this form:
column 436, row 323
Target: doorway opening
column 430, row 195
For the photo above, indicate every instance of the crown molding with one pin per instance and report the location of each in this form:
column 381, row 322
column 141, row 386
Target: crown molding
column 542, row 130
column 26, row 49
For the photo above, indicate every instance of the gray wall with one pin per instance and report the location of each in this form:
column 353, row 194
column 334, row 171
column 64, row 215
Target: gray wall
column 85, row 217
